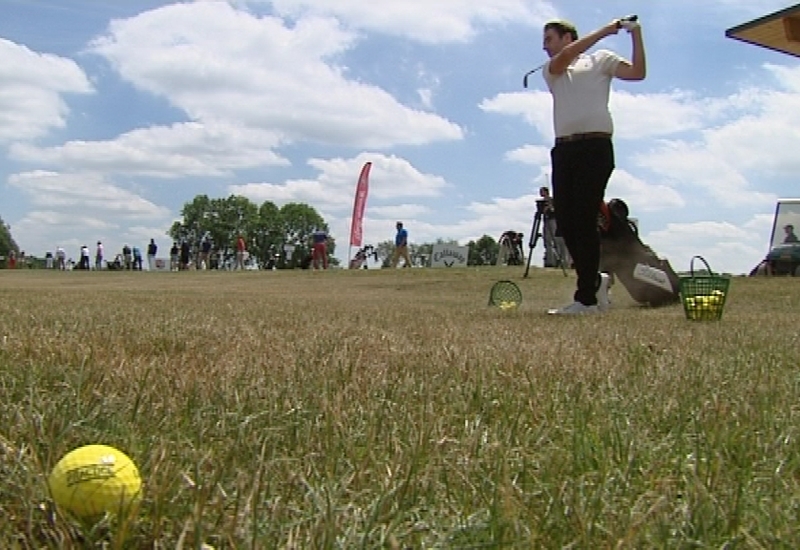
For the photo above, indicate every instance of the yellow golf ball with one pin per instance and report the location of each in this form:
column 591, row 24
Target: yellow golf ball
column 96, row 479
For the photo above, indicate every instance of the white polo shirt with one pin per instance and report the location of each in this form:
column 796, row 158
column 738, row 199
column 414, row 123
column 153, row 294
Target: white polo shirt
column 580, row 94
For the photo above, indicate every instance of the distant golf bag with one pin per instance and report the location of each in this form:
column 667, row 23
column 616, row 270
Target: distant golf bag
column 510, row 248
column 647, row 278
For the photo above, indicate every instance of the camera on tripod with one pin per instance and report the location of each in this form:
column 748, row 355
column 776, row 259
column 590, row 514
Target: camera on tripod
column 545, row 211
column 544, row 207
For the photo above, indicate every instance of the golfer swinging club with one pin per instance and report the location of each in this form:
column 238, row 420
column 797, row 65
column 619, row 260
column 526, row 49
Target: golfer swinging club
column 583, row 156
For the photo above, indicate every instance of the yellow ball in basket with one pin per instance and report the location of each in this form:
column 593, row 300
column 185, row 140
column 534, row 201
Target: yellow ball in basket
column 507, row 305
column 96, row 479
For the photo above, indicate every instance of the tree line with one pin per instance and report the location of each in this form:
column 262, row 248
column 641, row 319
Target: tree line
column 7, row 243
column 270, row 231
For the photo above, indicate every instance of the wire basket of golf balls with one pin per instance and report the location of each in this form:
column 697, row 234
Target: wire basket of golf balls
column 505, row 295
column 703, row 295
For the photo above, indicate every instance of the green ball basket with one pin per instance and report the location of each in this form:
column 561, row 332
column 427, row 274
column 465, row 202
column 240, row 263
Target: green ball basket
column 505, row 292
column 703, row 296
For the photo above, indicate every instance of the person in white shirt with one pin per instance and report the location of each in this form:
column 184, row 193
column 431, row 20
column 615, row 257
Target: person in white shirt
column 98, row 256
column 84, row 258
column 61, row 259
column 583, row 155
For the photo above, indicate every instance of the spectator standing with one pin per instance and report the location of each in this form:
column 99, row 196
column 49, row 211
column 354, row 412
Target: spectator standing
column 320, row 249
column 174, row 257
column 127, row 257
column 152, row 250
column 205, row 253
column 137, row 258
column 98, row 256
column 241, row 248
column 61, row 259
column 184, row 255
column 401, row 246
column 84, row 261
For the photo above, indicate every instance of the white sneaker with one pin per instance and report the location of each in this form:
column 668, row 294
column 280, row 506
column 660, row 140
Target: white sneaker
column 575, row 308
column 603, row 298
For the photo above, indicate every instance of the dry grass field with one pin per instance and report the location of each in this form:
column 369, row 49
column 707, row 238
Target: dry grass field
column 395, row 409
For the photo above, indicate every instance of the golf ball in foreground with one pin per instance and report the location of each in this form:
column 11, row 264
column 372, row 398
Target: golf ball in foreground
column 96, row 479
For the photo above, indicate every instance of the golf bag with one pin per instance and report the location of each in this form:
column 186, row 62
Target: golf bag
column 362, row 256
column 512, row 242
column 647, row 278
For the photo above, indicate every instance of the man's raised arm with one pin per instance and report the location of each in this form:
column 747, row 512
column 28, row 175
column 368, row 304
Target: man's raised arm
column 559, row 63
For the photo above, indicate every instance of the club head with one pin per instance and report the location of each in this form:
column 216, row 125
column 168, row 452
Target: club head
column 525, row 78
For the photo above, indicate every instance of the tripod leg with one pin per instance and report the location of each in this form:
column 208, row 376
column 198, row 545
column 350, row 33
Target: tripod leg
column 537, row 220
column 559, row 258
column 552, row 243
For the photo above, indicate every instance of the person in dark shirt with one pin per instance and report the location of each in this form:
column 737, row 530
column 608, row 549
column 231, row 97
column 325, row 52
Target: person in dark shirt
column 184, row 255
column 152, row 250
column 127, row 257
column 174, row 257
column 790, row 238
column 205, row 252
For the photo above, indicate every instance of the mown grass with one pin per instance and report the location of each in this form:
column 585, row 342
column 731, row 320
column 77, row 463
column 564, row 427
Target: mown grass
column 394, row 409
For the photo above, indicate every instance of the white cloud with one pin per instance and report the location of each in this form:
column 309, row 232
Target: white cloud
column 641, row 196
column 31, row 102
column 71, row 210
column 530, row 154
column 76, row 194
column 764, row 139
column 423, row 20
column 636, row 116
column 536, row 108
column 724, row 245
column 490, row 218
column 263, row 75
column 693, row 166
column 391, row 177
column 188, row 149
column 642, row 115
column 400, row 211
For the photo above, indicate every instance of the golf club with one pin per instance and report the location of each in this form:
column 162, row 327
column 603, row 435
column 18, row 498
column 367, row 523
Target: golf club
column 525, row 78
column 629, row 18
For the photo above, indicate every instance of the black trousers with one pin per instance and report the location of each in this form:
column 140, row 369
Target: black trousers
column 580, row 174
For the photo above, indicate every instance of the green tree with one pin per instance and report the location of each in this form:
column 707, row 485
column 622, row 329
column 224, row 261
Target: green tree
column 483, row 252
column 268, row 235
column 267, row 229
column 199, row 218
column 298, row 222
column 7, row 243
column 385, row 249
column 237, row 216
column 223, row 220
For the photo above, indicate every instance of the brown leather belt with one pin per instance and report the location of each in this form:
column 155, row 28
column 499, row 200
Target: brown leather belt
column 581, row 137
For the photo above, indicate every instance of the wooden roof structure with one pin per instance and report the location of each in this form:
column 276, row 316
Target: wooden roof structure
column 779, row 31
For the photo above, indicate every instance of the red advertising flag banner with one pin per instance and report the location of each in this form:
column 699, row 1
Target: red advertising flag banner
column 357, row 225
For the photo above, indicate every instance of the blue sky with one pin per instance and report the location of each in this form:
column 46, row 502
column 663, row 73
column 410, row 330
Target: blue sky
column 114, row 114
